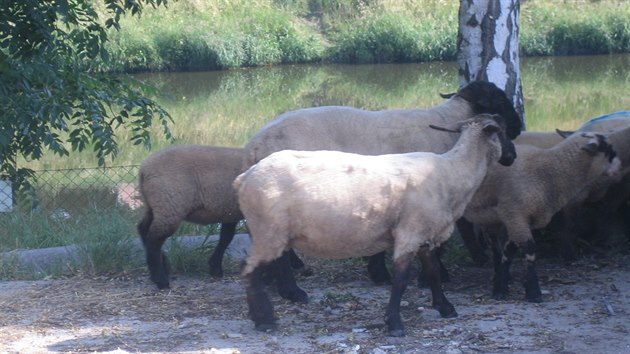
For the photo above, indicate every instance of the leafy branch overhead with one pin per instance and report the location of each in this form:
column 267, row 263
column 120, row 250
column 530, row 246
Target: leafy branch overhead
column 53, row 94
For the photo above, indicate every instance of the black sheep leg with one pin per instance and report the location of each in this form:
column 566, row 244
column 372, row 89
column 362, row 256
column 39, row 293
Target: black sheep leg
column 430, row 264
column 157, row 262
column 471, row 241
column 260, row 307
column 377, row 269
column 285, row 281
column 502, row 262
column 532, row 287
column 215, row 263
column 402, row 266
column 423, row 281
column 296, row 262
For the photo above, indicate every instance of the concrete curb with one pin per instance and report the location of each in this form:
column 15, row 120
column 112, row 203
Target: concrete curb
column 46, row 260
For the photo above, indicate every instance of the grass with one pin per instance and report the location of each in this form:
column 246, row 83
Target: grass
column 227, row 107
column 219, row 34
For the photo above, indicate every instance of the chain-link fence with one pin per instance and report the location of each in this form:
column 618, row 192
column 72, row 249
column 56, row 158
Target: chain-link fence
column 67, row 192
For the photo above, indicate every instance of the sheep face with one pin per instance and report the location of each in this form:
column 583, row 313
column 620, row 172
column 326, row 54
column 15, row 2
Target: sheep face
column 486, row 97
column 494, row 124
column 597, row 144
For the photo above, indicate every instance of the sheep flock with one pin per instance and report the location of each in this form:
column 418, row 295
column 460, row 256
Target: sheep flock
column 340, row 182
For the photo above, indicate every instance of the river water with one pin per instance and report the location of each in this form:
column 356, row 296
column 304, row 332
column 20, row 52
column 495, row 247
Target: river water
column 227, row 107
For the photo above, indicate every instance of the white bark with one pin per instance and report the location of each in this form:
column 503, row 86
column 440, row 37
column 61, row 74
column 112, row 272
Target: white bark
column 487, row 45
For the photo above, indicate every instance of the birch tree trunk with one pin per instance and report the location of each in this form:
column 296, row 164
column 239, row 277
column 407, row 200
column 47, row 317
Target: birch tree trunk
column 487, row 46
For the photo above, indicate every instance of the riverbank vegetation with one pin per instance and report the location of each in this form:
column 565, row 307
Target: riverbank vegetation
column 221, row 34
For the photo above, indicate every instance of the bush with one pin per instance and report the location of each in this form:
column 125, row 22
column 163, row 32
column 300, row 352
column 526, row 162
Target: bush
column 215, row 34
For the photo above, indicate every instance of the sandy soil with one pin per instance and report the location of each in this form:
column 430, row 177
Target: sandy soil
column 586, row 309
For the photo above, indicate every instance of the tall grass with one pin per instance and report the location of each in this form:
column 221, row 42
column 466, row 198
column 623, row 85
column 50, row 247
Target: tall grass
column 213, row 35
column 575, row 27
column 220, row 34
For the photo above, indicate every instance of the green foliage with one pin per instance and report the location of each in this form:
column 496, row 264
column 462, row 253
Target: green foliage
column 219, row 34
column 391, row 38
column 190, row 38
column 599, row 27
column 53, row 96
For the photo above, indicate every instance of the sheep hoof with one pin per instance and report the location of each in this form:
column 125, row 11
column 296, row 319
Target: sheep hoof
column 381, row 278
column 396, row 332
column 480, row 259
column 266, row 327
column 216, row 272
column 499, row 295
column 448, row 312
column 162, row 285
column 534, row 298
column 296, row 295
column 306, row 272
column 162, row 282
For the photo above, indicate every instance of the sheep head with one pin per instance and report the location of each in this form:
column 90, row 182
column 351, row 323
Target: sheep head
column 597, row 144
column 486, row 97
column 491, row 123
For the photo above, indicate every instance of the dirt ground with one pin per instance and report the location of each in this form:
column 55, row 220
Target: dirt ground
column 586, row 309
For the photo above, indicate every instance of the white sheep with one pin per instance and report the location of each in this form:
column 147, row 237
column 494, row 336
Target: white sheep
column 333, row 204
column 188, row 183
column 524, row 197
column 381, row 132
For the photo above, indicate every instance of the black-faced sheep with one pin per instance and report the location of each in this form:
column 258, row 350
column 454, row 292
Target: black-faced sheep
column 600, row 206
column 596, row 209
column 513, row 201
column 333, row 204
column 188, row 183
column 381, row 132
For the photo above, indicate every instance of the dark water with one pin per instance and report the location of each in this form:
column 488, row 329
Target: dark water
column 227, row 107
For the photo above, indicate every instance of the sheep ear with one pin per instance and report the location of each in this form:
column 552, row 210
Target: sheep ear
column 564, row 133
column 491, row 128
column 593, row 143
column 447, row 95
column 590, row 147
column 458, row 129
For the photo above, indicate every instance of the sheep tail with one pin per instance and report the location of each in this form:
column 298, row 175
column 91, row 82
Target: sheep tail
column 238, row 181
column 145, row 223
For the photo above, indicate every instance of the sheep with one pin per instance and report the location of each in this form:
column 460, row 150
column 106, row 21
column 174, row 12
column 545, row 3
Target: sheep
column 607, row 123
column 598, row 203
column 188, row 183
column 381, row 132
column 511, row 202
column 595, row 208
column 334, row 204
column 543, row 140
column 604, row 124
column 578, row 216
